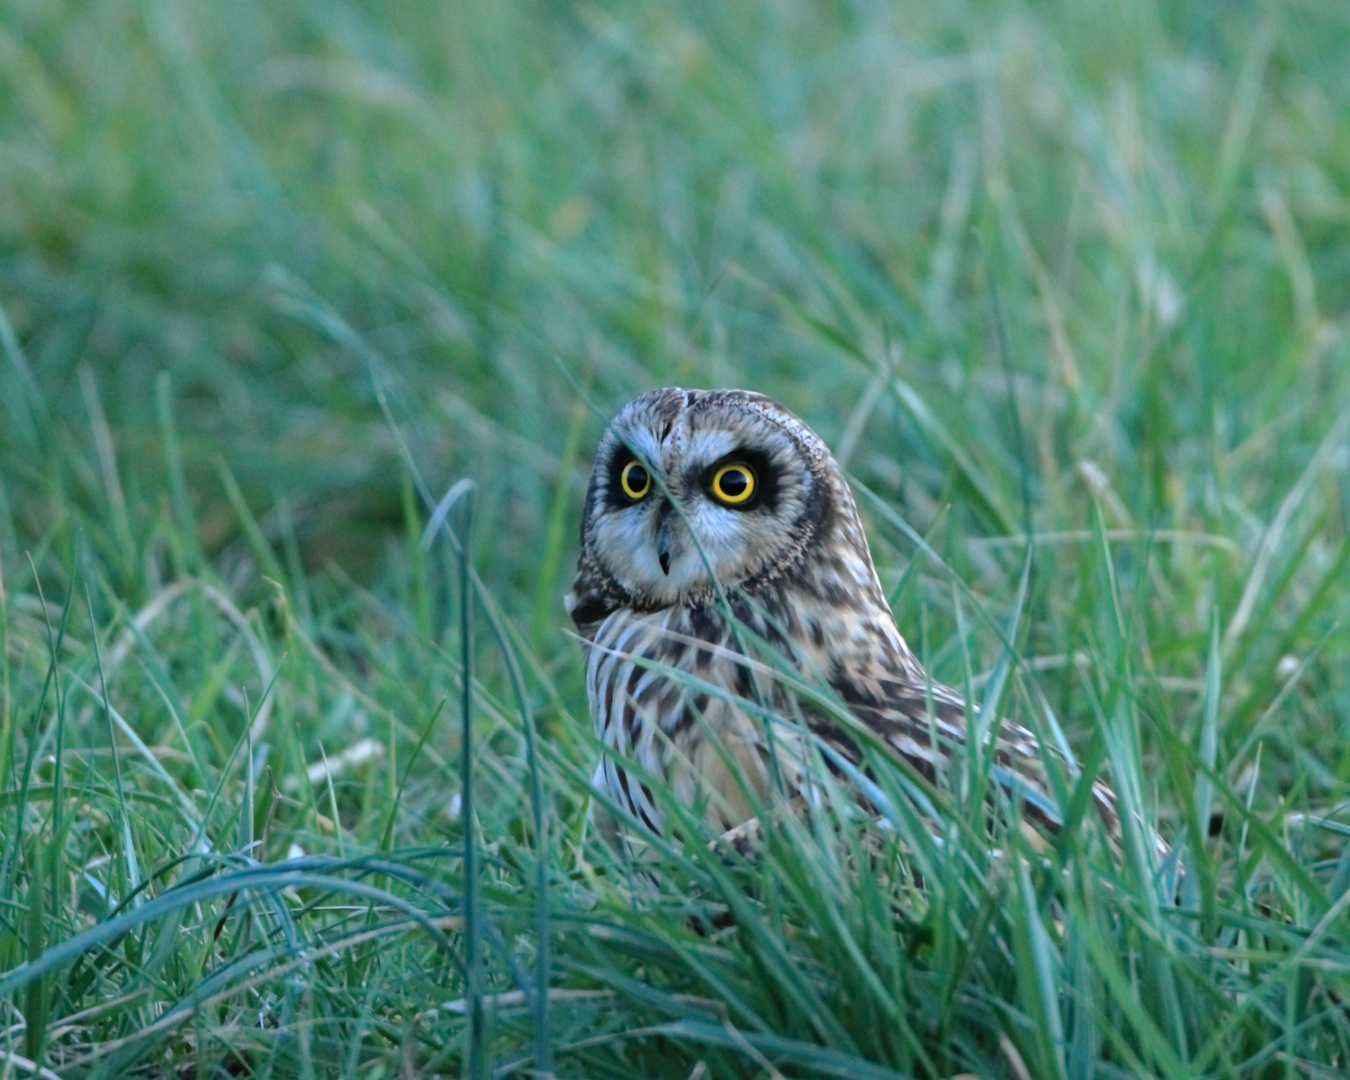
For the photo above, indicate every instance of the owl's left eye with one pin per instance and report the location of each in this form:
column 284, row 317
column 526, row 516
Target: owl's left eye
column 635, row 480
column 733, row 484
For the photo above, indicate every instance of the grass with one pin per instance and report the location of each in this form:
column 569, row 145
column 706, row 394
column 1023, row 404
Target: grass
column 275, row 278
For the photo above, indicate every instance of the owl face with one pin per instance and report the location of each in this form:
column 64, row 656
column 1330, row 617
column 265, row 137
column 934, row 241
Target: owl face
column 691, row 486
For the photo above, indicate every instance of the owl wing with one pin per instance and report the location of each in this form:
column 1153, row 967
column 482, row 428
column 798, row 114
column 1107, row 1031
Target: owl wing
column 926, row 724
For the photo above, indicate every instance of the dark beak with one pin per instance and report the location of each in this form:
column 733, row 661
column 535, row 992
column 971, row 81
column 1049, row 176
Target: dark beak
column 663, row 542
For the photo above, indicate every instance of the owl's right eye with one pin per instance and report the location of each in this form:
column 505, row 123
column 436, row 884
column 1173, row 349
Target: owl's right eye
column 635, row 480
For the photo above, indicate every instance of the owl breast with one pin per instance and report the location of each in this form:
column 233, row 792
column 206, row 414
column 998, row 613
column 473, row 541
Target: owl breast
column 662, row 688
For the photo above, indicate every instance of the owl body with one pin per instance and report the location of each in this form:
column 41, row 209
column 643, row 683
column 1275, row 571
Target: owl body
column 714, row 519
column 644, row 714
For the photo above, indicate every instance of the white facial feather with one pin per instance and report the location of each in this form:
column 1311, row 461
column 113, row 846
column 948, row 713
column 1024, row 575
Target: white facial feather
column 701, row 448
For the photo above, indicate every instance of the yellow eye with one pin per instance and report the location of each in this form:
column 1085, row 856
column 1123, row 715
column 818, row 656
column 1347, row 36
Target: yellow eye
column 734, row 484
column 635, row 480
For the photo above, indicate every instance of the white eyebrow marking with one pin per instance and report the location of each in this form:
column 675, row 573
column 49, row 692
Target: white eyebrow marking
column 705, row 447
column 641, row 441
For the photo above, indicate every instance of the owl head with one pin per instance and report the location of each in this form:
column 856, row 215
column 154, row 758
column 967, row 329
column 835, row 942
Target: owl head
column 695, row 486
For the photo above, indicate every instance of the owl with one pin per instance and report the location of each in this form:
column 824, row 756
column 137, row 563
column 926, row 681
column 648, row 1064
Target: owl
column 720, row 549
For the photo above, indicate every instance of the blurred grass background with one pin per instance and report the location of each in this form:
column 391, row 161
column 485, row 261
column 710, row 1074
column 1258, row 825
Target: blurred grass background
column 1027, row 267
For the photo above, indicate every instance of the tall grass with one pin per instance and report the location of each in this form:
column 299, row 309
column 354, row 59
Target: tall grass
column 294, row 755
